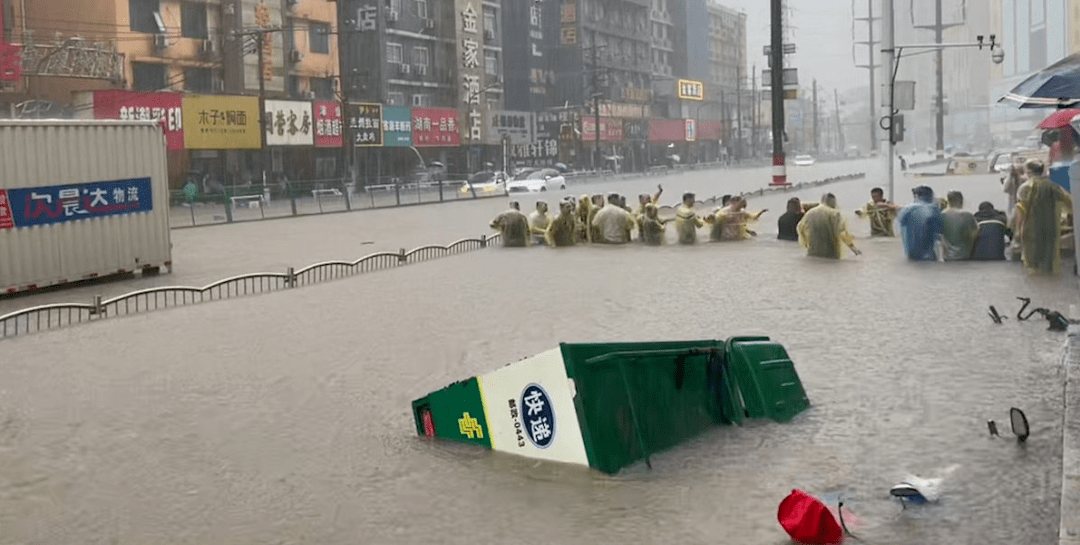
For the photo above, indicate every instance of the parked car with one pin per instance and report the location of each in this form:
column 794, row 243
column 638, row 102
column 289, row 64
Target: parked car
column 536, row 181
column 485, row 183
column 803, row 160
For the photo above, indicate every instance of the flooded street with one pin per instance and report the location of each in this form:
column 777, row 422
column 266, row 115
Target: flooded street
column 286, row 418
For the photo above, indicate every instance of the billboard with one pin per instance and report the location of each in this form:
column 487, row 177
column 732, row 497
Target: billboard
column 470, row 59
column 365, row 123
column 289, row 123
column 221, row 122
column 397, row 126
column 517, row 126
column 131, row 105
column 327, row 124
column 435, row 127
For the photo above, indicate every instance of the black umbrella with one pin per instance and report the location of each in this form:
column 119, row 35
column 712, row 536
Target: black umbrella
column 1057, row 86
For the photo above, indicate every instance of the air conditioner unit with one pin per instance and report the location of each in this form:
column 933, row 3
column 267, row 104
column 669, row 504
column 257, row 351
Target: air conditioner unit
column 489, row 34
column 295, row 56
column 421, row 70
column 429, row 24
column 208, row 47
column 309, row 95
column 391, row 15
column 160, row 42
column 291, row 3
column 404, row 68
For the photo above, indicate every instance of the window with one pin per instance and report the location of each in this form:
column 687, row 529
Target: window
column 323, row 88
column 193, row 20
column 420, row 56
column 491, row 63
column 396, row 98
column 292, row 86
column 144, row 16
column 319, row 37
column 394, row 5
column 489, row 20
column 421, row 9
column 198, row 80
column 421, row 100
column 149, row 77
column 393, row 53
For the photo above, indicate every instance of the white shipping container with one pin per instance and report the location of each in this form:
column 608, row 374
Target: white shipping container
column 73, row 201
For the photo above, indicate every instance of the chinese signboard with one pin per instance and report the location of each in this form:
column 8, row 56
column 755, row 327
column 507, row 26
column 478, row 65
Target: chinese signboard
column 221, row 122
column 132, row 106
column 470, row 49
column 7, row 221
column 544, row 148
column 31, row 206
column 264, row 14
column 517, row 126
column 365, row 124
column 691, row 90
column 622, row 109
column 611, row 130
column 289, row 123
column 435, row 127
column 667, row 130
column 328, row 124
column 397, row 126
column 568, row 22
column 691, row 130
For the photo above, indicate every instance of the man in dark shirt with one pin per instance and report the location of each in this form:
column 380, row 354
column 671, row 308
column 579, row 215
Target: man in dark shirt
column 790, row 220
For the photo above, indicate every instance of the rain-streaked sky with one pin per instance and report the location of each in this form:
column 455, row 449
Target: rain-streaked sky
column 822, row 32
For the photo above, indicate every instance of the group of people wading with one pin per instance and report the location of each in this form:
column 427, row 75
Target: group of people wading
column 930, row 228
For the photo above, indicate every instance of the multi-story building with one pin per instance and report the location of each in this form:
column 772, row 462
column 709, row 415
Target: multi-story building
column 726, row 70
column 1034, row 34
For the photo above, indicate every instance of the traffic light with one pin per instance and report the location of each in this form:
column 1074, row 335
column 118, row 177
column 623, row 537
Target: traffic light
column 898, row 128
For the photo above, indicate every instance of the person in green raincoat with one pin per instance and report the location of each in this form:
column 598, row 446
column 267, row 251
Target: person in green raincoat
column 823, row 231
column 1039, row 207
column 514, row 227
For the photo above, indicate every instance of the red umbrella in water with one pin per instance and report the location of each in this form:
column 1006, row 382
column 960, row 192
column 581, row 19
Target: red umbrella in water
column 1060, row 118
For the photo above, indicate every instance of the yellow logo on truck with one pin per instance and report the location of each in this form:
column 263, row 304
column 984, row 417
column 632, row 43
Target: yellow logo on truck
column 470, row 427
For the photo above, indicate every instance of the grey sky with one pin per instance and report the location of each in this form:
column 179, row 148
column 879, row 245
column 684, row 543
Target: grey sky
column 822, row 33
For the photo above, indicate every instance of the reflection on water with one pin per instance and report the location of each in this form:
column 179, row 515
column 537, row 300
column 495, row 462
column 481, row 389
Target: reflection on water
column 286, row 418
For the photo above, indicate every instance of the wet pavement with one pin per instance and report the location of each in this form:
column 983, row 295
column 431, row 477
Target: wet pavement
column 285, row 418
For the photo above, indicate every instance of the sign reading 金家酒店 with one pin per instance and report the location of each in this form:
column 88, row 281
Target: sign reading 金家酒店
column 221, row 122
column 289, row 123
column 471, row 59
column 365, row 124
column 47, row 205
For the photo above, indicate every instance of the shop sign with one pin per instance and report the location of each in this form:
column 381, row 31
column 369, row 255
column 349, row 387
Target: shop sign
column 365, row 124
column 134, row 106
column 289, row 123
column 328, row 124
column 221, row 122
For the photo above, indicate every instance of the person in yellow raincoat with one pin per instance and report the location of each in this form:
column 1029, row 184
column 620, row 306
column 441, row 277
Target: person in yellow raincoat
column 562, row 231
column 1039, row 208
column 513, row 225
column 687, row 221
column 595, row 235
column 731, row 222
column 584, row 209
column 823, row 231
column 651, row 226
column 881, row 214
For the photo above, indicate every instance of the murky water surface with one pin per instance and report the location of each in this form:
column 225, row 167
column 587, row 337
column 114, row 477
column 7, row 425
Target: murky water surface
column 285, row 418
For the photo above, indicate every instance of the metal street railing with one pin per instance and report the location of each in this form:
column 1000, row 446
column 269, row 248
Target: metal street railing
column 56, row 316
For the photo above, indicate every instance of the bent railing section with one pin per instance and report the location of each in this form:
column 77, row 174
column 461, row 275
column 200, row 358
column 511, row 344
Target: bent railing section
column 48, row 317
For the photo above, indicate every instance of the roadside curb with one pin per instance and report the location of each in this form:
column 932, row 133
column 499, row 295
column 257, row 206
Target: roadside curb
column 1069, row 532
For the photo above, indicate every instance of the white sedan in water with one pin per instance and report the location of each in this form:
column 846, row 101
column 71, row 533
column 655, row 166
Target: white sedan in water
column 803, row 160
column 536, row 181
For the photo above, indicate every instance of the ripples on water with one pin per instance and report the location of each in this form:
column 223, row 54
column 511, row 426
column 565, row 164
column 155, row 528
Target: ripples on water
column 285, row 418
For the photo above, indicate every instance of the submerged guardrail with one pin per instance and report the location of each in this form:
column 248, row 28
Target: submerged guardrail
column 56, row 316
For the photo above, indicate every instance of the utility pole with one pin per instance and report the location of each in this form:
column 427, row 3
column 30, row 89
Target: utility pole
column 754, row 108
column 872, row 67
column 939, row 28
column 839, row 125
column 777, row 53
column 725, row 127
column 817, row 131
column 596, row 94
column 264, row 124
column 739, row 112
column 888, row 51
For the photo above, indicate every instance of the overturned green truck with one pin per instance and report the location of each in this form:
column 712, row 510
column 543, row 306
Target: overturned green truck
column 611, row 405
